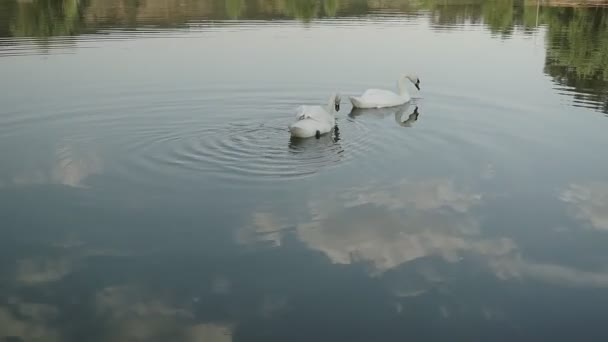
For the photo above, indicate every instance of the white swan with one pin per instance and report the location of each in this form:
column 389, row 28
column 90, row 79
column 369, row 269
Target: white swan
column 314, row 121
column 379, row 98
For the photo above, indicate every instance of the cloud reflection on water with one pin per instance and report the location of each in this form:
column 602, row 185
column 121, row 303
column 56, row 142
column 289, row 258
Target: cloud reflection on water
column 589, row 202
column 67, row 166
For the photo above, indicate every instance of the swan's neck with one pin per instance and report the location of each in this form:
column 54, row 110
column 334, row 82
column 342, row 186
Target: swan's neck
column 401, row 86
column 331, row 106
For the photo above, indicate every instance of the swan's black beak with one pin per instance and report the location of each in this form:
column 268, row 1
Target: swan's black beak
column 417, row 85
column 337, row 107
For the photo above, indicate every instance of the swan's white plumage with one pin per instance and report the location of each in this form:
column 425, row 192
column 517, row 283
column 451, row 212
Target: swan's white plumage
column 380, row 98
column 311, row 112
column 313, row 119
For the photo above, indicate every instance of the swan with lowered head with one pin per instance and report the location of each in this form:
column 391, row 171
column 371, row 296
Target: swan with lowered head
column 380, row 98
column 314, row 121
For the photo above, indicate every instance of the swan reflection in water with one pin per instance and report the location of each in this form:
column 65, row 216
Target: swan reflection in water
column 311, row 154
column 413, row 117
column 399, row 112
column 332, row 139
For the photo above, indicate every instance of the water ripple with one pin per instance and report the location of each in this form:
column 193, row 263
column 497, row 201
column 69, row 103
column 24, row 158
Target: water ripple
column 247, row 150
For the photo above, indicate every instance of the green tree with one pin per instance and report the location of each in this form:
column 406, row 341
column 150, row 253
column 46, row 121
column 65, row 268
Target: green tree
column 577, row 52
column 330, row 7
column 234, row 8
column 46, row 18
column 302, row 9
column 7, row 9
column 499, row 16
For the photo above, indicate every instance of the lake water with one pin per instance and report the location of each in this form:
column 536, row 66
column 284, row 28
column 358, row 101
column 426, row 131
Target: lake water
column 149, row 189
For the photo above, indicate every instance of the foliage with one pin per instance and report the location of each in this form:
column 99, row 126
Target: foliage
column 577, row 51
column 46, row 18
column 576, row 40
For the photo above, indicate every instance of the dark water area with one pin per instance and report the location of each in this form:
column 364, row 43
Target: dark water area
column 150, row 190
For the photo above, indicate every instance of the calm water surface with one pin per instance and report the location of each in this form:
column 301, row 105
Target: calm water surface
column 149, row 190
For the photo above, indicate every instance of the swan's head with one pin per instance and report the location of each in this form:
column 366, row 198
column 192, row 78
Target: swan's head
column 337, row 99
column 414, row 79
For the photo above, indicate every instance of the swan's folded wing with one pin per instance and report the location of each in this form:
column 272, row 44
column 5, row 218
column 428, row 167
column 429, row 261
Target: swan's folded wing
column 378, row 95
column 310, row 112
column 300, row 112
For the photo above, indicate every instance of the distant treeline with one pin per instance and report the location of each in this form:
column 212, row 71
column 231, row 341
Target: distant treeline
column 577, row 35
